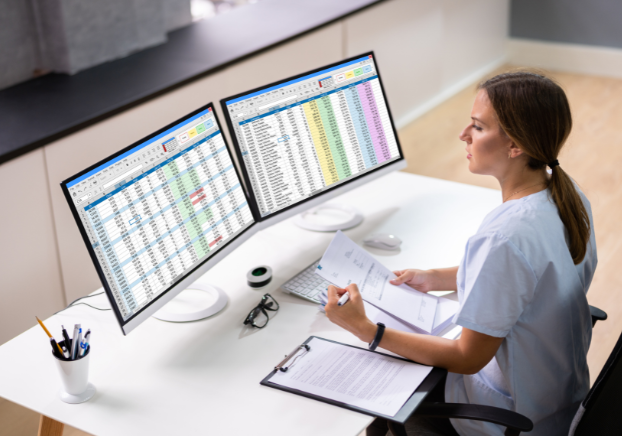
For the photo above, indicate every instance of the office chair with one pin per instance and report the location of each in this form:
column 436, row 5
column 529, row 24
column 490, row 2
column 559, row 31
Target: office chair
column 597, row 315
column 595, row 408
column 601, row 411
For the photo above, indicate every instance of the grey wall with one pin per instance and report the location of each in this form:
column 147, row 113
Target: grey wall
column 590, row 22
column 176, row 14
column 94, row 32
column 71, row 35
column 18, row 42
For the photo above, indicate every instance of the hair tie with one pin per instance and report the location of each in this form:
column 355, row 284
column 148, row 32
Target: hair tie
column 553, row 164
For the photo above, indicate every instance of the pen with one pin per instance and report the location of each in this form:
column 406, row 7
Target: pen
column 65, row 351
column 52, row 341
column 344, row 299
column 79, row 341
column 56, row 348
column 85, row 342
column 66, row 337
column 323, row 297
column 75, row 342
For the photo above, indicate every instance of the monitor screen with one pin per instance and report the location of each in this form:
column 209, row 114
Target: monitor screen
column 156, row 211
column 308, row 134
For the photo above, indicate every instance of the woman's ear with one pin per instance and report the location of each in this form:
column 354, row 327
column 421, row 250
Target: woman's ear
column 514, row 151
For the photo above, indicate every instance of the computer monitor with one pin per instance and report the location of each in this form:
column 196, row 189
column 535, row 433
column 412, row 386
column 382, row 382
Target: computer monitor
column 305, row 139
column 158, row 214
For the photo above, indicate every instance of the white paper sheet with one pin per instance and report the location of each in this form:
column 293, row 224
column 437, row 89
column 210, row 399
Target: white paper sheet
column 354, row 376
column 344, row 262
column 445, row 310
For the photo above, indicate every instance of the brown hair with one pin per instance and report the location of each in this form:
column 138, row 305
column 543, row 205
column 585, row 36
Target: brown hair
column 533, row 111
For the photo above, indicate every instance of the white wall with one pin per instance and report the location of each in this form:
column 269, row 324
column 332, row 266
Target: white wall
column 426, row 51
column 569, row 58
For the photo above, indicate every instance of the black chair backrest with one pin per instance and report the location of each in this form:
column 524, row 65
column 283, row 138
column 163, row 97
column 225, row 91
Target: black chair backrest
column 603, row 404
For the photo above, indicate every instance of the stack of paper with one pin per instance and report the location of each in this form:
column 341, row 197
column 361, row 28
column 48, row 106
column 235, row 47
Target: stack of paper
column 344, row 262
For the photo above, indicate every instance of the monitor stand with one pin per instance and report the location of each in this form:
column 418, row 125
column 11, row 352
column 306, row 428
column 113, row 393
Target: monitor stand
column 335, row 217
column 196, row 302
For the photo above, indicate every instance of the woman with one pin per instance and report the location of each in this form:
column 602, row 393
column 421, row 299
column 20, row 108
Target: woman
column 523, row 280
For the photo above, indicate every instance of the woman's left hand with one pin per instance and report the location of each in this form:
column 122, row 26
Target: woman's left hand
column 351, row 316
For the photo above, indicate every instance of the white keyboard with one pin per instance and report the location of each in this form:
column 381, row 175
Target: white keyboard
column 306, row 284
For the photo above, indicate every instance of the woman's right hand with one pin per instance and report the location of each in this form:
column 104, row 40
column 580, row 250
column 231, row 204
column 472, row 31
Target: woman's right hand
column 421, row 280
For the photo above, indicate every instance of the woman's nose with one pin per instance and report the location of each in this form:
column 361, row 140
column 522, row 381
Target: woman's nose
column 464, row 135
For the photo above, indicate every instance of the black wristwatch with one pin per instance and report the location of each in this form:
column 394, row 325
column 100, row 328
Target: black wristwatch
column 378, row 336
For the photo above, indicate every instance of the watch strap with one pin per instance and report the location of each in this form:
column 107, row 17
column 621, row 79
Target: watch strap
column 378, row 336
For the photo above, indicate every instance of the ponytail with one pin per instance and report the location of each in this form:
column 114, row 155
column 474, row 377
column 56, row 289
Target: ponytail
column 534, row 112
column 571, row 211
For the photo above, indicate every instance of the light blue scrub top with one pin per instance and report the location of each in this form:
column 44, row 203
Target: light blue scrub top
column 517, row 281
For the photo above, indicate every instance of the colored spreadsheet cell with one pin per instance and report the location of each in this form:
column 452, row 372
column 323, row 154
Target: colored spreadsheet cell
column 200, row 128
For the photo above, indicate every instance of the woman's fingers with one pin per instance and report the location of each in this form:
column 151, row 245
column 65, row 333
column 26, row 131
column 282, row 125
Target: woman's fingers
column 402, row 277
column 351, row 316
column 334, row 293
column 353, row 290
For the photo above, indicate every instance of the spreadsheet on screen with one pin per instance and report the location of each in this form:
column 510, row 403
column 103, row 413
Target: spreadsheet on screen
column 309, row 134
column 159, row 210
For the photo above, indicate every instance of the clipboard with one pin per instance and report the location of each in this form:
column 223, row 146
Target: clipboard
column 409, row 407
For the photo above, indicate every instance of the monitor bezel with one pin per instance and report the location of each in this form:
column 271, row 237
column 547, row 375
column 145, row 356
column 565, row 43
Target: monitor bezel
column 329, row 193
column 129, row 324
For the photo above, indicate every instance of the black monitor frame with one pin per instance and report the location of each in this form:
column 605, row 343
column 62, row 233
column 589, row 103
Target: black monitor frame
column 247, row 182
column 124, row 323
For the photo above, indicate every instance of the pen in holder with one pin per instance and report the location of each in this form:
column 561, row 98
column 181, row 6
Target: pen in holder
column 74, row 375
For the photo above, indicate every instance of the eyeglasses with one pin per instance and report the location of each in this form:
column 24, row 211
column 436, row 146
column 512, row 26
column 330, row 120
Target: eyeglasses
column 258, row 317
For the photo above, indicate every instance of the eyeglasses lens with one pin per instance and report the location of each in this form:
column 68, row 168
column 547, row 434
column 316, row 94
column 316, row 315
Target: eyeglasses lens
column 269, row 303
column 261, row 319
column 258, row 317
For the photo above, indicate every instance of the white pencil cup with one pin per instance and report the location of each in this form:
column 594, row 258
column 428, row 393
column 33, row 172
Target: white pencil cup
column 74, row 376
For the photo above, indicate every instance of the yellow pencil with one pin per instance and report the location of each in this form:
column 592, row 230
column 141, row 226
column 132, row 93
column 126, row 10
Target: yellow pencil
column 50, row 335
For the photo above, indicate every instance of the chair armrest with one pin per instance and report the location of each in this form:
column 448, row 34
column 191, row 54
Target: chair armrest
column 514, row 422
column 597, row 315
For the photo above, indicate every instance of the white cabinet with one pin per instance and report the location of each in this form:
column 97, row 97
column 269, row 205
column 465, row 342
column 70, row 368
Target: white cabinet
column 30, row 278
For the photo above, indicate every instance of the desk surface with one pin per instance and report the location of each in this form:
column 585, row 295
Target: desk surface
column 203, row 377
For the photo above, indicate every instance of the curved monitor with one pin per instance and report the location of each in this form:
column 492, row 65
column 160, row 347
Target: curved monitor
column 161, row 212
column 307, row 138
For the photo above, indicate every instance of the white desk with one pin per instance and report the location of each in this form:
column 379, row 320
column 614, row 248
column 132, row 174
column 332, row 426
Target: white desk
column 203, row 377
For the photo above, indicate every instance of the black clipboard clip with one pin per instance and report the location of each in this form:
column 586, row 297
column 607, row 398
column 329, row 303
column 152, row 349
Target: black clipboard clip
column 281, row 366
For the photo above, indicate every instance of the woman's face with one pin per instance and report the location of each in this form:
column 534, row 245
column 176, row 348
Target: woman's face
column 487, row 146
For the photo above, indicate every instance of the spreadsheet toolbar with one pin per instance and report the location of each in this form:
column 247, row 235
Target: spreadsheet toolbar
column 151, row 226
column 307, row 135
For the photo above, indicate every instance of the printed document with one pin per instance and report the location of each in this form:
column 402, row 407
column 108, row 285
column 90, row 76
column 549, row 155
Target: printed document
column 344, row 262
column 445, row 311
column 354, row 376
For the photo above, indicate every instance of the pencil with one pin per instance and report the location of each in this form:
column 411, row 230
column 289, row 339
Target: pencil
column 50, row 335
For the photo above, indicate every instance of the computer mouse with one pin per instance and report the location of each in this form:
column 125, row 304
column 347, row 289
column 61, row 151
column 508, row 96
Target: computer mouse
column 384, row 241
